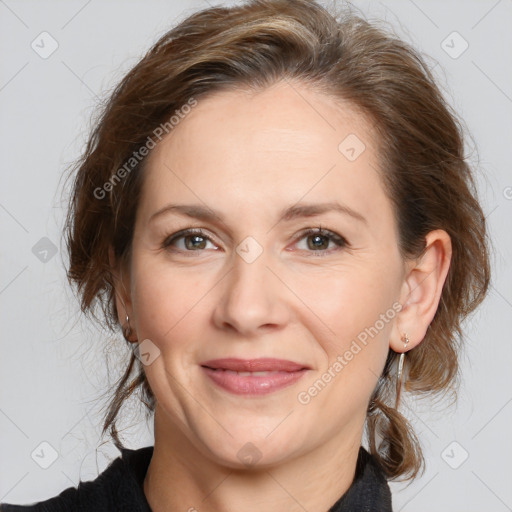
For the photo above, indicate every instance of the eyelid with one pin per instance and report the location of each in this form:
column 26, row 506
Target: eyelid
column 339, row 240
column 182, row 233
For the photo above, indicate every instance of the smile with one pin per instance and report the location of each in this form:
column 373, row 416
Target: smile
column 253, row 377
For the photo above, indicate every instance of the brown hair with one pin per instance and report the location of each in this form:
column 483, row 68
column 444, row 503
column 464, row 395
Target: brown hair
column 423, row 168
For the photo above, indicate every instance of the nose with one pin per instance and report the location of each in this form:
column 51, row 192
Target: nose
column 253, row 298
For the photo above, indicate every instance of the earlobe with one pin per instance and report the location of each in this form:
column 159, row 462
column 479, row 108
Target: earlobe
column 122, row 297
column 421, row 291
column 128, row 333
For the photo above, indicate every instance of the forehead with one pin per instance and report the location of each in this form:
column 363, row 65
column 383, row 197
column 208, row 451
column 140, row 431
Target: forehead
column 244, row 149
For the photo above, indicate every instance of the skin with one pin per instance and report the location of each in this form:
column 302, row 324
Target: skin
column 248, row 156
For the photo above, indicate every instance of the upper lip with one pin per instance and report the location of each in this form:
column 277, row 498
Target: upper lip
column 254, row 365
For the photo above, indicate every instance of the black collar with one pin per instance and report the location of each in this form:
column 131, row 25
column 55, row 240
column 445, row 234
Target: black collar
column 369, row 491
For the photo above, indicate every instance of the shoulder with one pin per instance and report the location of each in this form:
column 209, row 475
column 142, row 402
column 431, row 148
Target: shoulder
column 118, row 487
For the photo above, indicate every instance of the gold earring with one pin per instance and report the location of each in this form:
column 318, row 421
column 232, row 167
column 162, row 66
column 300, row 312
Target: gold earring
column 400, row 373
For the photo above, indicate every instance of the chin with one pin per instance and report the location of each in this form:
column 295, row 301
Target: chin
column 251, row 456
column 253, row 448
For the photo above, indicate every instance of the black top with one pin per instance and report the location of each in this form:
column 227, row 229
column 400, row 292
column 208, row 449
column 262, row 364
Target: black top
column 120, row 488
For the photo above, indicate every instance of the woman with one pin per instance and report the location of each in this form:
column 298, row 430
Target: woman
column 275, row 209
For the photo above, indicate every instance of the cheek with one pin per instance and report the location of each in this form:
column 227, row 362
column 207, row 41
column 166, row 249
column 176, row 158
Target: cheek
column 166, row 301
column 349, row 303
column 352, row 320
column 361, row 314
column 169, row 312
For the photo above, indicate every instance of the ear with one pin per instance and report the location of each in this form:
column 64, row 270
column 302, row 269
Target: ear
column 421, row 290
column 121, row 288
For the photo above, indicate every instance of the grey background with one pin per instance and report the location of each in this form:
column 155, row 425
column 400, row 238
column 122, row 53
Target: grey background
column 52, row 366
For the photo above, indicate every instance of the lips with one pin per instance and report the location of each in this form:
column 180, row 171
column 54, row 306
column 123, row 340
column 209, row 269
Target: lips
column 253, row 376
column 264, row 364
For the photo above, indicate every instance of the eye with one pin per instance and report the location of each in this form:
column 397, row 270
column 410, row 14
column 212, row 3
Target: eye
column 318, row 241
column 194, row 240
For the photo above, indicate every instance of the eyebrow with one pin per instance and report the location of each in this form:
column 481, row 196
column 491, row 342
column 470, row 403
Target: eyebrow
column 204, row 213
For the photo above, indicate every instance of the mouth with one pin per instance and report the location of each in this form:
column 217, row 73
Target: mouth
column 253, row 376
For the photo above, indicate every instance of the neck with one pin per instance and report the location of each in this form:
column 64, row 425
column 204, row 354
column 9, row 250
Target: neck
column 182, row 477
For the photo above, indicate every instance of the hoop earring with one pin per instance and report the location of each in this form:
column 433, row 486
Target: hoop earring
column 127, row 331
column 400, row 373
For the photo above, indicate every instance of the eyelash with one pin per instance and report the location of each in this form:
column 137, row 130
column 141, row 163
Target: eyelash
column 340, row 241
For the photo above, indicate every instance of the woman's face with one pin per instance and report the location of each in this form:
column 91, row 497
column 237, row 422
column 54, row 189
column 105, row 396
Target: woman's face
column 255, row 171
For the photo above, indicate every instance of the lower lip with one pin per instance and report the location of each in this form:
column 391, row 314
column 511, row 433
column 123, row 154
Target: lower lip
column 253, row 385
